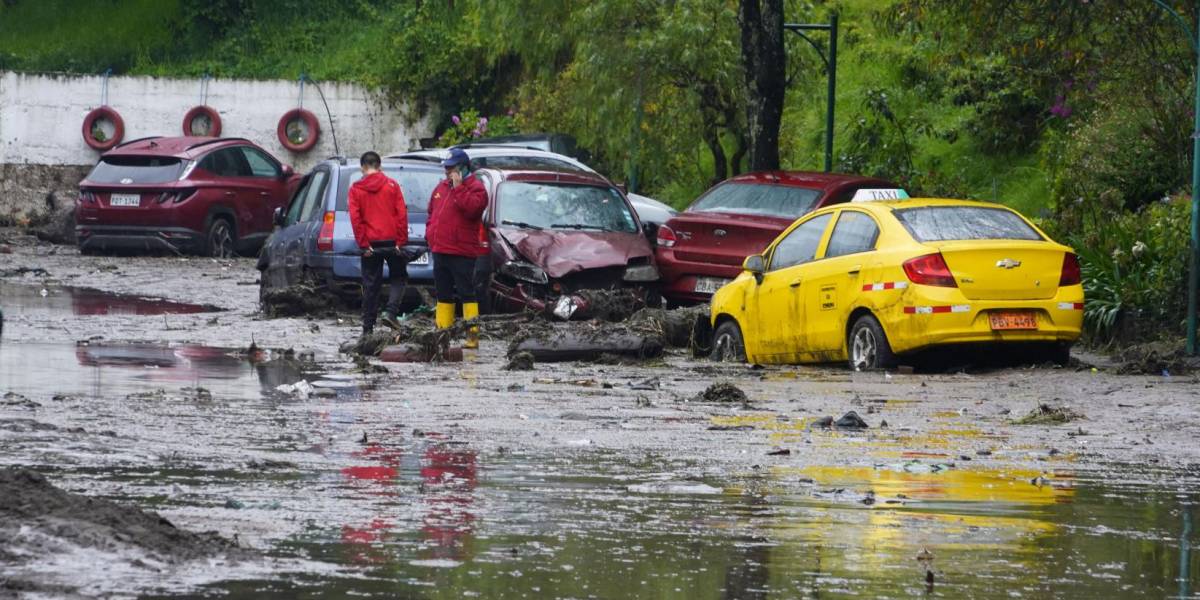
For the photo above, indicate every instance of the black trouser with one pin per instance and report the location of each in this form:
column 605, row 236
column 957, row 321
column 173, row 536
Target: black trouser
column 372, row 277
column 454, row 277
column 483, row 283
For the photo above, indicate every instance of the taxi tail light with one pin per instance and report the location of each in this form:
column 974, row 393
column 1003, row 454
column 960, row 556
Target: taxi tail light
column 666, row 237
column 929, row 269
column 1070, row 270
column 325, row 237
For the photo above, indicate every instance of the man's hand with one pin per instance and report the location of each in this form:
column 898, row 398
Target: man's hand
column 368, row 252
column 455, row 178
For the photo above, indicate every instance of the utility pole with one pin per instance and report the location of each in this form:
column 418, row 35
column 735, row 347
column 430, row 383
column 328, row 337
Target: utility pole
column 1194, row 255
column 830, row 72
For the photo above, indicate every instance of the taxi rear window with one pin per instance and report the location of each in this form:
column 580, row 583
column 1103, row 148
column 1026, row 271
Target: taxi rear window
column 943, row 223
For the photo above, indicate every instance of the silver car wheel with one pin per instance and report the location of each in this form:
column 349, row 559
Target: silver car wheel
column 864, row 349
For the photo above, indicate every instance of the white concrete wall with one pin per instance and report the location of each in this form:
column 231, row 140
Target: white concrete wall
column 41, row 115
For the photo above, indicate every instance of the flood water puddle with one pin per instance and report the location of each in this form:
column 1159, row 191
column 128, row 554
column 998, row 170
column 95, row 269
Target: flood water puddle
column 37, row 300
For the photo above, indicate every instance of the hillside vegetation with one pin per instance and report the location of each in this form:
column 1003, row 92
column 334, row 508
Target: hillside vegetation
column 1077, row 113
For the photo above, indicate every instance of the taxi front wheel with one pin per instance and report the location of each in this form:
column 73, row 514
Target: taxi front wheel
column 869, row 348
column 727, row 343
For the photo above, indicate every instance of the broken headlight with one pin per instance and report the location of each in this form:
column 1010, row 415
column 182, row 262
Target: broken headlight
column 641, row 273
column 524, row 272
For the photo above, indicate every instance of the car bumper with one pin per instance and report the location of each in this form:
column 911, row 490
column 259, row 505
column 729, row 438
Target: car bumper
column 679, row 277
column 944, row 317
column 111, row 237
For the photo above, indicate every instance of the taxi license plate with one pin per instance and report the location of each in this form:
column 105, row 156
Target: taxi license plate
column 709, row 285
column 1012, row 320
column 125, row 200
column 420, row 260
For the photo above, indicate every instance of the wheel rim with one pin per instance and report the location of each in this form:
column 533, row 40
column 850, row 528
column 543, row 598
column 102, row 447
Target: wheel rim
column 864, row 349
column 724, row 345
column 220, row 241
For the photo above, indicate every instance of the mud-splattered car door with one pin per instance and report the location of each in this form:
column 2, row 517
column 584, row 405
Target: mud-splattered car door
column 297, row 237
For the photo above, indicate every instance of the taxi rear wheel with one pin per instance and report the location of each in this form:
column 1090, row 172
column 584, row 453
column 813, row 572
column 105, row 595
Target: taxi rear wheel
column 727, row 343
column 869, row 347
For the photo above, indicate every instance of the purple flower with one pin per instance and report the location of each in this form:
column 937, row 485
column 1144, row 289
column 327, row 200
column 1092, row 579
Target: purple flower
column 454, row 119
column 477, row 133
column 512, row 111
column 1060, row 108
column 483, row 120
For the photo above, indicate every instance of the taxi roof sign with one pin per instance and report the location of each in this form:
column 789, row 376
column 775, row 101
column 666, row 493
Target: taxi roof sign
column 879, row 194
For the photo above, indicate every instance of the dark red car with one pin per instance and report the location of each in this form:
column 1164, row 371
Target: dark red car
column 212, row 196
column 702, row 248
column 554, row 234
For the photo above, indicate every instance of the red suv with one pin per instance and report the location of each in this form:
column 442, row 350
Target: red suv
column 702, row 248
column 213, row 196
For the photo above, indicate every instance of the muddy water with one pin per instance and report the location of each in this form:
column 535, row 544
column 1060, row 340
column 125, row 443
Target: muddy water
column 343, row 477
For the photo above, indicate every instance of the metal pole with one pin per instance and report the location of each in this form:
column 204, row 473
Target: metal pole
column 832, row 72
column 1194, row 257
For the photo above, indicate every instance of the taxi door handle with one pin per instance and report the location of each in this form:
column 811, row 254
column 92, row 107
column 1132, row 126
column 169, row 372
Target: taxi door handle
column 854, row 270
column 795, row 283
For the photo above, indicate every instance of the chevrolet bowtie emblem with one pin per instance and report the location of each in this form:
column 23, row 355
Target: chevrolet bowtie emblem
column 1007, row 263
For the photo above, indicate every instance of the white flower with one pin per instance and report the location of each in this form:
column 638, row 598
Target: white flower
column 1118, row 253
column 1138, row 249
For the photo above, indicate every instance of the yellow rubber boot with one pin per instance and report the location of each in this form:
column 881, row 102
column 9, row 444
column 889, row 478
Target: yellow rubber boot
column 443, row 316
column 471, row 311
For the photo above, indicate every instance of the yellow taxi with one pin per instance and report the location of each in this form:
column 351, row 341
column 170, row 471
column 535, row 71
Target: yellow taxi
column 868, row 280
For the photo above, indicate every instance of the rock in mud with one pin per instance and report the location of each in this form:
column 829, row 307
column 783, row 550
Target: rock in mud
column 723, row 392
column 39, row 520
column 582, row 344
column 850, row 420
column 521, row 361
column 1045, row 414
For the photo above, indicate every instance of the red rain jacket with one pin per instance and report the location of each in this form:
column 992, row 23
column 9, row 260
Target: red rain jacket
column 456, row 218
column 377, row 211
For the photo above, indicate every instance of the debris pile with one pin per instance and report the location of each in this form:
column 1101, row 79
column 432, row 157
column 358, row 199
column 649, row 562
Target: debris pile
column 1045, row 414
column 1156, row 358
column 722, row 392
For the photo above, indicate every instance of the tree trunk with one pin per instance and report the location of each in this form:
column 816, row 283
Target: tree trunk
column 763, row 57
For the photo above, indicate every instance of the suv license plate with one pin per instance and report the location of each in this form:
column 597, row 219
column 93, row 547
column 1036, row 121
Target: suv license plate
column 709, row 285
column 125, row 200
column 423, row 259
column 1013, row 320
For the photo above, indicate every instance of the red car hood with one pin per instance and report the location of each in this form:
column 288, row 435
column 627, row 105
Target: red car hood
column 560, row 253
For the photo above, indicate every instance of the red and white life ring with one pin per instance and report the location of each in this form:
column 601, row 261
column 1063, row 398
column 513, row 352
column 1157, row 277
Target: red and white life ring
column 310, row 121
column 112, row 116
column 207, row 111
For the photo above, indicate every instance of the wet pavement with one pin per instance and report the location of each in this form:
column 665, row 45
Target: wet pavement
column 588, row 481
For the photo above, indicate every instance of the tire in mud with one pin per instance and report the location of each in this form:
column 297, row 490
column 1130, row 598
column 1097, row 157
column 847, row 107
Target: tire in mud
column 868, row 346
column 727, row 343
column 220, row 240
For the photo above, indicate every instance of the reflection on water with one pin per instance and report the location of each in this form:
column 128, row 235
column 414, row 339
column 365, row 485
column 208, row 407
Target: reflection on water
column 107, row 370
column 541, row 527
column 28, row 300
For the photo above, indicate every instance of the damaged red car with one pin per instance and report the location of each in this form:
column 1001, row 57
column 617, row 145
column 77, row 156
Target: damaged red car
column 566, row 243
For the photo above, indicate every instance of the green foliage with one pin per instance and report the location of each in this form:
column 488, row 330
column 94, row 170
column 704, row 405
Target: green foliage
column 470, row 126
column 1134, row 267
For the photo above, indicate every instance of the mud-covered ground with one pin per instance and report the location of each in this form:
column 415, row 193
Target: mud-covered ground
column 575, row 479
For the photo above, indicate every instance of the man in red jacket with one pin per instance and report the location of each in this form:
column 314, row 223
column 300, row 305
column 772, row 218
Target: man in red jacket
column 380, row 222
column 453, row 232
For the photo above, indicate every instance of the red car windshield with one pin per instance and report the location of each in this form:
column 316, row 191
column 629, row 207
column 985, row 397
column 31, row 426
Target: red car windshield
column 136, row 169
column 557, row 206
column 768, row 200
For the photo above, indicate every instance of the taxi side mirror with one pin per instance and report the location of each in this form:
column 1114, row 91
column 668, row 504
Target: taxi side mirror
column 755, row 265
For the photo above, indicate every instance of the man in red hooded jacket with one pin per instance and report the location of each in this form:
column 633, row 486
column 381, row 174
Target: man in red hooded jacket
column 453, row 232
column 380, row 222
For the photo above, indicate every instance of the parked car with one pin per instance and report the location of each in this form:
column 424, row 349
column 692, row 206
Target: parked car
column 558, row 143
column 212, row 196
column 556, row 234
column 314, row 242
column 868, row 281
column 702, row 248
column 484, row 155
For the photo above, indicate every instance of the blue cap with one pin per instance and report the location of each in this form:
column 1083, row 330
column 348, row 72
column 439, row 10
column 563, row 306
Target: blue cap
column 457, row 157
